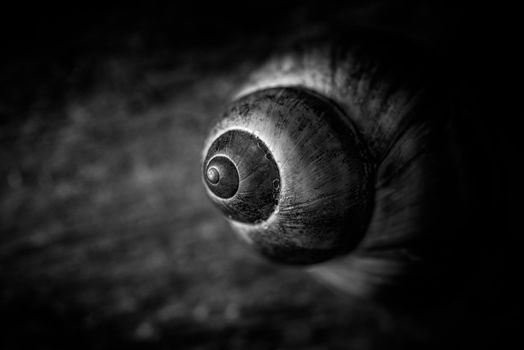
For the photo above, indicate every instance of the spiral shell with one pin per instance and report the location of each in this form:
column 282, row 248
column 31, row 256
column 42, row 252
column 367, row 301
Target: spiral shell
column 371, row 176
column 298, row 188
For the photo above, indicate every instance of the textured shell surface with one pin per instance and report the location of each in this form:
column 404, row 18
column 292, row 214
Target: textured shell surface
column 361, row 125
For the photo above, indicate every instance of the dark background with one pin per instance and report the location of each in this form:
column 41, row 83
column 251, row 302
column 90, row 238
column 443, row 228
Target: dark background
column 106, row 237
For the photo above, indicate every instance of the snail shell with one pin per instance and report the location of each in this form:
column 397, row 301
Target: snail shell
column 285, row 166
column 345, row 157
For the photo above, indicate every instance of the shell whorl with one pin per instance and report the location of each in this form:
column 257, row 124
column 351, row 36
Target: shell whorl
column 304, row 191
